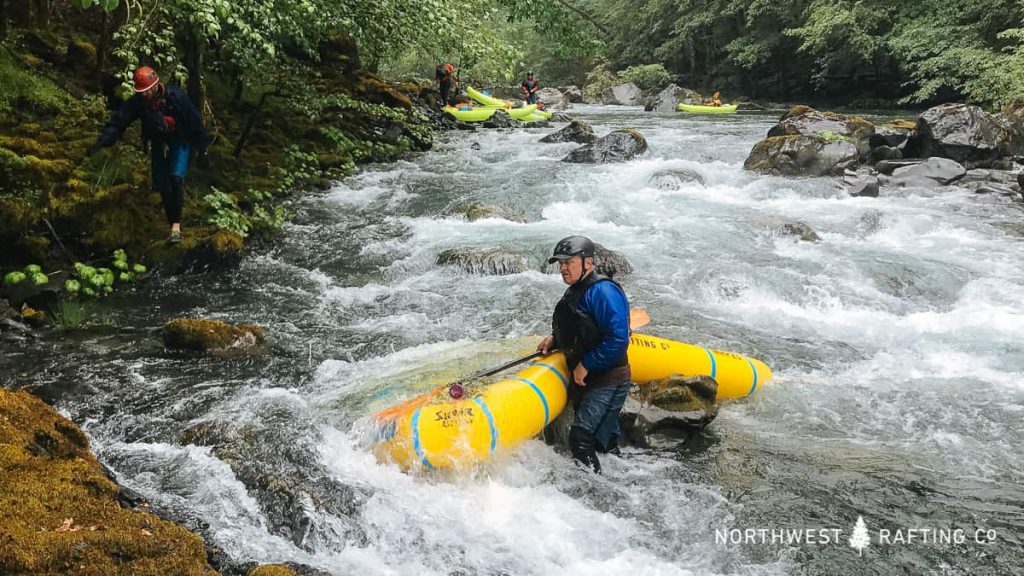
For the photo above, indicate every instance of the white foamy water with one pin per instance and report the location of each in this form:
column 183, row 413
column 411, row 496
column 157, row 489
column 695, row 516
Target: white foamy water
column 895, row 340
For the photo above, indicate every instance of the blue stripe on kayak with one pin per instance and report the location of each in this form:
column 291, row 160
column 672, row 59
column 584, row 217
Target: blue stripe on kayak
column 754, row 370
column 490, row 421
column 543, row 400
column 714, row 364
column 557, row 373
column 416, row 446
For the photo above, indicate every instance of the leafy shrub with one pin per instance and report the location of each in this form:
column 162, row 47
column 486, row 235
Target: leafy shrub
column 647, row 77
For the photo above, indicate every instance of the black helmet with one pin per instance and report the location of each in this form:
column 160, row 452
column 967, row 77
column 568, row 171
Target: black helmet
column 571, row 246
column 529, row 73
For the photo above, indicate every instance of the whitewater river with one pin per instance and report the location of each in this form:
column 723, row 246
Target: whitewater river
column 896, row 342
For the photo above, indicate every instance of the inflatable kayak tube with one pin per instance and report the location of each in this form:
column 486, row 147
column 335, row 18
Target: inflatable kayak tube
column 697, row 109
column 478, row 114
column 433, row 430
column 485, row 99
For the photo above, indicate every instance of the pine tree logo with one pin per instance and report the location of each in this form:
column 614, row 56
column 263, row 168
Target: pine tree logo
column 860, row 538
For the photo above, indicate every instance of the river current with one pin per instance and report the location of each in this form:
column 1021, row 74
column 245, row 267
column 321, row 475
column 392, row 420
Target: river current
column 896, row 342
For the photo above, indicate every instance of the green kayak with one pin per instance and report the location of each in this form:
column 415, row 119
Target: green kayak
column 698, row 109
column 481, row 113
column 485, row 99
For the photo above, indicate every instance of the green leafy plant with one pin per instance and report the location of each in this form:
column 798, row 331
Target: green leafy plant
column 647, row 77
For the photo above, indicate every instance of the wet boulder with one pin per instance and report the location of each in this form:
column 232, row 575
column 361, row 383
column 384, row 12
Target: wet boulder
column 933, row 171
column 608, row 262
column 786, row 227
column 484, row 262
column 893, row 134
column 619, row 146
column 961, row 132
column 576, row 131
column 989, row 175
column 861, row 183
column 674, row 179
column 669, row 411
column 553, row 99
column 670, row 97
column 879, row 153
column 804, row 120
column 800, row 155
column 215, row 337
column 500, row 119
column 560, row 117
column 573, row 93
column 622, row 95
column 475, row 211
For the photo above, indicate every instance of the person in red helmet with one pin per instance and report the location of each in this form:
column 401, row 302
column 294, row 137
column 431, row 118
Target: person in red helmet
column 173, row 126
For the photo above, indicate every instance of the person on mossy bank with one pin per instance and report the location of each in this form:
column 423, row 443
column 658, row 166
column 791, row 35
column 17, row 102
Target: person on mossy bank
column 174, row 128
column 445, row 76
column 590, row 326
column 530, row 86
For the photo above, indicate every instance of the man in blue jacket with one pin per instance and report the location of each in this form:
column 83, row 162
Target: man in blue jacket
column 174, row 127
column 590, row 326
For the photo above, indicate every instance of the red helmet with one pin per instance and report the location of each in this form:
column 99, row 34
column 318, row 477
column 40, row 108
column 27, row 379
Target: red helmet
column 145, row 77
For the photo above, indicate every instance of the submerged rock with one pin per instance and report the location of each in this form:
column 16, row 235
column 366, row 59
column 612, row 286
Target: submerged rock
column 861, row 183
column 672, row 409
column 619, row 146
column 476, row 211
column 500, row 119
column 485, row 262
column 214, row 336
column 576, row 131
column 786, row 227
column 674, row 179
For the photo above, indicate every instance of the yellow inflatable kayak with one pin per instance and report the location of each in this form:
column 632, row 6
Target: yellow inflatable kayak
column 485, row 99
column 697, row 109
column 476, row 114
column 433, row 430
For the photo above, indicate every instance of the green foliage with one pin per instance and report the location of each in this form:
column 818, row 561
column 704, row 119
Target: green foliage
column 830, row 136
column 647, row 77
column 24, row 89
column 223, row 212
column 597, row 80
column 69, row 314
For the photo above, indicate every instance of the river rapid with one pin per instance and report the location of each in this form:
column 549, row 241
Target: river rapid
column 895, row 342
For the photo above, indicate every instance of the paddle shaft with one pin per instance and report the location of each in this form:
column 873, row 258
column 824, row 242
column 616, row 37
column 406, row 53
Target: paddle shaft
column 637, row 319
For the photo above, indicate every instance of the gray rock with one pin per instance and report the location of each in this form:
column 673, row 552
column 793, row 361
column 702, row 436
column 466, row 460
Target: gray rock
column 674, row 179
column 861, row 184
column 888, row 166
column 484, row 262
column 476, row 211
column 553, row 99
column 609, row 263
column 799, row 155
column 560, row 117
column 786, row 227
column 573, row 93
column 576, row 131
column 619, row 146
column 536, row 124
column 670, row 97
column 460, row 125
column 960, row 132
column 500, row 119
column 803, row 120
column 892, row 134
column 990, row 175
column 623, row 95
column 880, row 153
column 670, row 410
column 927, row 174
column 998, row 188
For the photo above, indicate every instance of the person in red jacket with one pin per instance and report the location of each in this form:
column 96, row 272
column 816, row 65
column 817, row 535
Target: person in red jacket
column 445, row 76
column 174, row 128
column 530, row 86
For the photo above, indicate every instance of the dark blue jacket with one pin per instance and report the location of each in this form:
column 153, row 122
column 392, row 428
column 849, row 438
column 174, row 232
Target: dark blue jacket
column 606, row 303
column 188, row 123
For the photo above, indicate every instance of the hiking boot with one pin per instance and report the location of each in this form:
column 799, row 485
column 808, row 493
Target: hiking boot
column 175, row 237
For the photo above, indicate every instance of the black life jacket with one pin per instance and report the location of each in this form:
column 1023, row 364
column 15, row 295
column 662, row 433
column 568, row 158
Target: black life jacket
column 159, row 117
column 577, row 333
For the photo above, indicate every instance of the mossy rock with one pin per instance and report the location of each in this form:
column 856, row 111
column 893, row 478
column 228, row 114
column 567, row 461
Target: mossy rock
column 272, row 570
column 214, row 336
column 59, row 512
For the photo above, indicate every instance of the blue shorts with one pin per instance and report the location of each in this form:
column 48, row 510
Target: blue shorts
column 598, row 412
column 169, row 159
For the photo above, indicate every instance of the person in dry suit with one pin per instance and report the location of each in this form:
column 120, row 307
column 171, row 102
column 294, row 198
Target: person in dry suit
column 174, row 128
column 529, row 88
column 445, row 76
column 590, row 325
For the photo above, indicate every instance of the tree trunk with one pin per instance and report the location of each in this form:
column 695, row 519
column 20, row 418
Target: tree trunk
column 42, row 13
column 194, row 63
column 101, row 50
column 257, row 113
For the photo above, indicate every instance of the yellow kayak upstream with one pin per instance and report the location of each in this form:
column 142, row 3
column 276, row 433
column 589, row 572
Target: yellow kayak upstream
column 433, row 430
column 699, row 109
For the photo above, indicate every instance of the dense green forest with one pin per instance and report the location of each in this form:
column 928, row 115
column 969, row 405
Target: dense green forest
column 299, row 91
